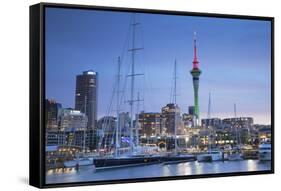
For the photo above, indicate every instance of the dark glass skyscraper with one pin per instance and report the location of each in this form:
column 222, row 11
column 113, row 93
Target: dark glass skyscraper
column 53, row 110
column 86, row 96
column 191, row 110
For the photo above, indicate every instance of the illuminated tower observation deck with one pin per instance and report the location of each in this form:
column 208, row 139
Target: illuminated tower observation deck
column 195, row 72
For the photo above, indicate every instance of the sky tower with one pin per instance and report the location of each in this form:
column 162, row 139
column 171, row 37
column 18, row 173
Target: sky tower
column 195, row 72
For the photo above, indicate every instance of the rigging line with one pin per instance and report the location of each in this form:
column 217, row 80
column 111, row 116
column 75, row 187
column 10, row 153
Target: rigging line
column 123, row 57
column 125, row 46
column 122, row 95
column 122, row 98
column 108, row 120
column 175, row 83
column 143, row 55
column 126, row 80
column 172, row 88
column 105, row 123
column 209, row 107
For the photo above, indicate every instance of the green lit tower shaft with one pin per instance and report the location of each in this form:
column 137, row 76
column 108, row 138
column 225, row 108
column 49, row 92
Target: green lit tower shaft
column 195, row 72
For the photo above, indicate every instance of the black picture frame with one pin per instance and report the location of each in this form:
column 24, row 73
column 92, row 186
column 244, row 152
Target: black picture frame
column 37, row 93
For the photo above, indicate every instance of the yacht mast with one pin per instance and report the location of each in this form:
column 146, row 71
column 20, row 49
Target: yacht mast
column 208, row 119
column 132, row 75
column 84, row 136
column 175, row 102
column 137, row 120
column 237, row 137
column 209, row 109
column 117, row 141
column 235, row 110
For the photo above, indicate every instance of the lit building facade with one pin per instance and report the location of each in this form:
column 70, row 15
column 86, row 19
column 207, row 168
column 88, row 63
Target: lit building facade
column 73, row 120
column 171, row 118
column 150, row 124
column 187, row 120
column 212, row 122
column 79, row 138
column 239, row 122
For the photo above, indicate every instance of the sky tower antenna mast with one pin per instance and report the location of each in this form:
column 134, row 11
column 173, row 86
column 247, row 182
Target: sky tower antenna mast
column 195, row 72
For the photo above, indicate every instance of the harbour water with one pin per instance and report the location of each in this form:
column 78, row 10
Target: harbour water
column 87, row 173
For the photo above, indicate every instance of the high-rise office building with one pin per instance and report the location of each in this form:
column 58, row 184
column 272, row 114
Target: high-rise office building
column 191, row 110
column 86, row 96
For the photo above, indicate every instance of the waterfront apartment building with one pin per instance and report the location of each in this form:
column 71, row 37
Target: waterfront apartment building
column 264, row 132
column 52, row 115
column 54, row 137
column 239, row 122
column 80, row 139
column 73, row 120
column 86, row 96
column 150, row 124
column 212, row 122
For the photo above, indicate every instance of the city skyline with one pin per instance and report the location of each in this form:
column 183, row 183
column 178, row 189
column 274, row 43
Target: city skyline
column 92, row 48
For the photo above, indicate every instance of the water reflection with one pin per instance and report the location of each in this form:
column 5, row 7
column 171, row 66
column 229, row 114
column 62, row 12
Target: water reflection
column 158, row 170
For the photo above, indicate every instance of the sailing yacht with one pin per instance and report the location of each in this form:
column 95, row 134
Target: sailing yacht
column 235, row 153
column 80, row 158
column 212, row 154
column 133, row 156
column 176, row 156
column 137, row 154
column 265, row 152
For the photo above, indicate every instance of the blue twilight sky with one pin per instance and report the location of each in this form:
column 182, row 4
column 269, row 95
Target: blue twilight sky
column 234, row 57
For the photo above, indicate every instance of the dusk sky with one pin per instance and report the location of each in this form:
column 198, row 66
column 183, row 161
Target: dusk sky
column 234, row 56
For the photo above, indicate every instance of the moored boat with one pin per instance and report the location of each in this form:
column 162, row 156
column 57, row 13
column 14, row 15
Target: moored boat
column 108, row 163
column 210, row 156
column 265, row 152
column 234, row 155
column 178, row 158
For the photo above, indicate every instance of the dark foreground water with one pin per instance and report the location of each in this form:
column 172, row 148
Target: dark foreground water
column 87, row 173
